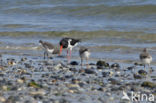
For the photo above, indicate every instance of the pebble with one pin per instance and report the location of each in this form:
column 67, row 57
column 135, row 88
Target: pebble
column 136, row 76
column 90, row 71
column 20, row 81
column 142, row 72
column 105, row 74
column 113, row 81
column 149, row 84
column 73, row 69
column 2, row 99
column 74, row 63
column 115, row 66
column 5, row 88
column 38, row 92
column 101, row 64
column 57, row 81
column 131, row 68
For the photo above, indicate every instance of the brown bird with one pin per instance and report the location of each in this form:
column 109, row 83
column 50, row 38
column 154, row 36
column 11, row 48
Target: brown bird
column 48, row 48
column 145, row 58
column 84, row 54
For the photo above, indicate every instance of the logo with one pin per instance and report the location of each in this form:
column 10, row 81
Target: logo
column 138, row 97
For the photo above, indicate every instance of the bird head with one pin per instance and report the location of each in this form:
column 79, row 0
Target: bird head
column 145, row 50
column 40, row 41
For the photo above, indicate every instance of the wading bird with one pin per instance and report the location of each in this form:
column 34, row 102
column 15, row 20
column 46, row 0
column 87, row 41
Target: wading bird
column 84, row 54
column 48, row 48
column 145, row 58
column 69, row 44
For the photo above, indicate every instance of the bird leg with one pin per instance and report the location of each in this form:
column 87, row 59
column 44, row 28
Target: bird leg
column 47, row 55
column 60, row 50
column 145, row 66
column 149, row 68
column 81, row 62
column 44, row 54
column 68, row 55
column 87, row 63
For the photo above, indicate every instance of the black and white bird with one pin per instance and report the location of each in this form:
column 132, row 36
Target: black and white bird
column 84, row 54
column 48, row 48
column 145, row 57
column 69, row 44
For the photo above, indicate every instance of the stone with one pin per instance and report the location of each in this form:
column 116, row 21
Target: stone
column 101, row 64
column 74, row 63
column 142, row 72
column 90, row 71
column 115, row 66
column 148, row 84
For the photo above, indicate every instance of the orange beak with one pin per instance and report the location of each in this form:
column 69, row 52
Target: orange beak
column 61, row 49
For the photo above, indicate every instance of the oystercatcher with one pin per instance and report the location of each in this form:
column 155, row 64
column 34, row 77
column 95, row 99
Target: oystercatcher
column 69, row 44
column 145, row 57
column 84, row 54
column 48, row 48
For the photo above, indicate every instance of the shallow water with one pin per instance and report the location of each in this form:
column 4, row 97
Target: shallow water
column 83, row 15
column 111, row 49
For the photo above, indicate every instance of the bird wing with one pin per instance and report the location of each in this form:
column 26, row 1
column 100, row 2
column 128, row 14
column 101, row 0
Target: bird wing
column 83, row 49
column 144, row 55
column 74, row 41
column 48, row 45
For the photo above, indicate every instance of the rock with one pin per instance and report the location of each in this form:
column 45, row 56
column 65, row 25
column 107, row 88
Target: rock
column 102, row 89
column 38, row 92
column 136, row 76
column 50, row 57
column 5, row 88
column 27, row 65
column 68, row 76
column 23, row 59
column 81, row 71
column 142, row 72
column 115, row 66
column 90, row 71
column 38, row 97
column 105, row 74
column 131, row 68
column 73, row 69
column 14, row 88
column 20, row 81
column 75, row 81
column 2, row 68
column 1, row 74
column 34, row 84
column 136, row 63
column 113, row 81
column 148, row 84
column 101, row 64
column 27, row 101
column 74, row 63
column 2, row 99
column 13, row 99
column 91, row 64
column 81, row 84
column 63, row 101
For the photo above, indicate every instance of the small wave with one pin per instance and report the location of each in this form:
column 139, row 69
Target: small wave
column 150, row 37
column 86, row 10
